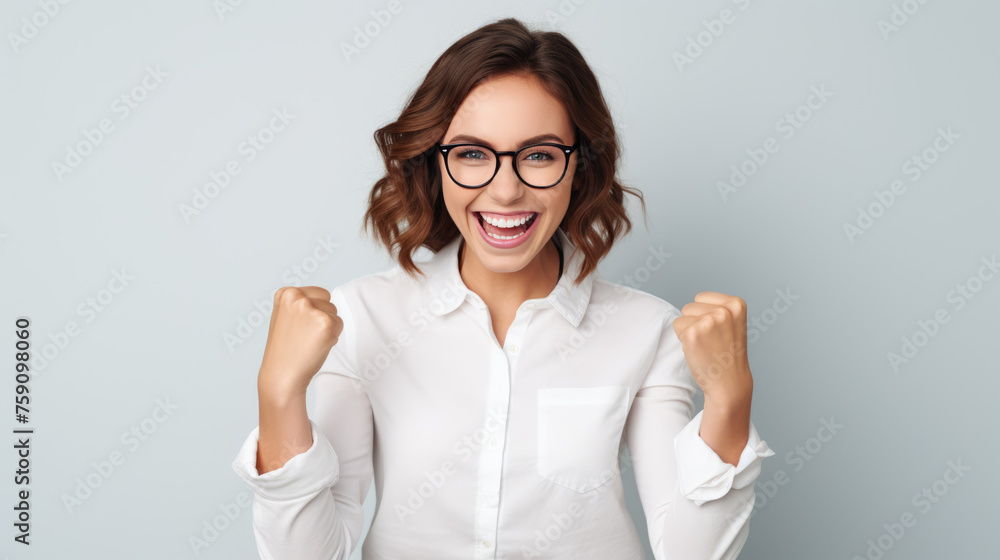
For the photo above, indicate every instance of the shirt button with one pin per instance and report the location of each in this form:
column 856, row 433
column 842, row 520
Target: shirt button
column 494, row 442
column 487, row 544
column 530, row 306
column 514, row 349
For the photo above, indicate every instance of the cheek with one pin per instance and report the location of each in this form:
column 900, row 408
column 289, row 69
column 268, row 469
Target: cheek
column 457, row 202
column 560, row 202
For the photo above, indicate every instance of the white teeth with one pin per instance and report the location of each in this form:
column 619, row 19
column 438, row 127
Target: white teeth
column 509, row 223
column 505, row 237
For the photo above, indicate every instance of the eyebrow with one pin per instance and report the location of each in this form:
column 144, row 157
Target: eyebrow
column 462, row 138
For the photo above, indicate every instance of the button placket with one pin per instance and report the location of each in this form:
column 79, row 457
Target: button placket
column 491, row 454
column 515, row 334
column 501, row 371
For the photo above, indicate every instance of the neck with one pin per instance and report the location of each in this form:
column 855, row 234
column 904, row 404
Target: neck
column 534, row 281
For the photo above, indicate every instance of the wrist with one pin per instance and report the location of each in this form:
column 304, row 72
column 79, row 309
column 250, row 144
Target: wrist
column 728, row 405
column 277, row 392
column 735, row 397
column 725, row 428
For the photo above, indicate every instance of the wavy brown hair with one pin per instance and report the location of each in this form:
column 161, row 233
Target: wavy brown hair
column 406, row 208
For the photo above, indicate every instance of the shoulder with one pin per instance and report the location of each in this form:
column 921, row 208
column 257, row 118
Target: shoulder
column 634, row 302
column 390, row 290
column 385, row 284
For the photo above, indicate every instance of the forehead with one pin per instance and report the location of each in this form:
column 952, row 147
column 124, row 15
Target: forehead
column 507, row 109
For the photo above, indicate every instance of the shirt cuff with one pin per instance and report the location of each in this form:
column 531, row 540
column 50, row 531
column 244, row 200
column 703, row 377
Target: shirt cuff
column 306, row 473
column 702, row 475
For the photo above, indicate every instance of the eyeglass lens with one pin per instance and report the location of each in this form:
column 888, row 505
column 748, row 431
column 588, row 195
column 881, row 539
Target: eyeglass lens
column 540, row 166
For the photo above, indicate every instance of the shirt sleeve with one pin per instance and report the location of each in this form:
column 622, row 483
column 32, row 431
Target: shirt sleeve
column 312, row 507
column 696, row 505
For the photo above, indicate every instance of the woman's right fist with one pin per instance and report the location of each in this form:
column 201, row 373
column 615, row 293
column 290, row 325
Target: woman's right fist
column 304, row 327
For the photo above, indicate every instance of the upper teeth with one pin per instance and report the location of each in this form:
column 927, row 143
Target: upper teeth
column 498, row 222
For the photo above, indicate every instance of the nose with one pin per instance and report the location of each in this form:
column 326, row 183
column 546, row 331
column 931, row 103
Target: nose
column 506, row 188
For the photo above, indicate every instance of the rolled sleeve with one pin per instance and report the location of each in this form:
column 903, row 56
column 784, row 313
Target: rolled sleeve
column 703, row 476
column 304, row 474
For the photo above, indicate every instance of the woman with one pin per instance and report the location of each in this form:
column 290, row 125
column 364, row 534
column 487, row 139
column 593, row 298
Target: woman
column 490, row 389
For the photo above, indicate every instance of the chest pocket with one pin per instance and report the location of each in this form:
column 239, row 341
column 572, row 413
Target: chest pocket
column 579, row 429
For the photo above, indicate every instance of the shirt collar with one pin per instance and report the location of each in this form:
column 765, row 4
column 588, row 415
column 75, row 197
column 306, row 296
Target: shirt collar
column 447, row 291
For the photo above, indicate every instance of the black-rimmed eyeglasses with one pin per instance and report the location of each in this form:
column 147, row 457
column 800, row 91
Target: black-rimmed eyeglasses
column 539, row 166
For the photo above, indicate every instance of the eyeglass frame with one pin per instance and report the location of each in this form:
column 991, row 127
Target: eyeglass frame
column 444, row 148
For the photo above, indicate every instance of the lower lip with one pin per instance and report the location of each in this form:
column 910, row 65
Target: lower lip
column 505, row 243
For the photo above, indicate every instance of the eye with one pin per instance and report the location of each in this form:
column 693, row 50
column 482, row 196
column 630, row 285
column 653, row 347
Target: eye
column 543, row 156
column 471, row 152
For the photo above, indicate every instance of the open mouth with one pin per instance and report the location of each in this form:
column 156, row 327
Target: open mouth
column 506, row 229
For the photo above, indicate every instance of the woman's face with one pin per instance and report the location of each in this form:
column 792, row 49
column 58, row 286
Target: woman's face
column 503, row 113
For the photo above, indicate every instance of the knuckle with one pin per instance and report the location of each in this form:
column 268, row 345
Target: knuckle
column 301, row 304
column 278, row 292
column 287, row 295
column 721, row 314
column 738, row 306
column 698, row 330
column 324, row 322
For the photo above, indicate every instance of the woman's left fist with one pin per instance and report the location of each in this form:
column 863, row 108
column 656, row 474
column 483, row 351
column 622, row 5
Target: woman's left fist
column 713, row 335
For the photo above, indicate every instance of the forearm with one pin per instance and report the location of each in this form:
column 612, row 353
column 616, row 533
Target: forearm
column 725, row 422
column 725, row 427
column 284, row 425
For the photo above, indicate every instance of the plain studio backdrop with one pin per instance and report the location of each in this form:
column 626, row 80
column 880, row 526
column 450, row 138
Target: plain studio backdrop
column 166, row 166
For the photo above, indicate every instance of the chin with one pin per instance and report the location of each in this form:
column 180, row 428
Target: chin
column 500, row 260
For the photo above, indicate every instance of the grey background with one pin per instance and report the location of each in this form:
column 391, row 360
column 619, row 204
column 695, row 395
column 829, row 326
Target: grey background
column 826, row 357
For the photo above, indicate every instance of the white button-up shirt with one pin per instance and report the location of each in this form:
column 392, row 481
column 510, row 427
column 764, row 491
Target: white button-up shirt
column 486, row 451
